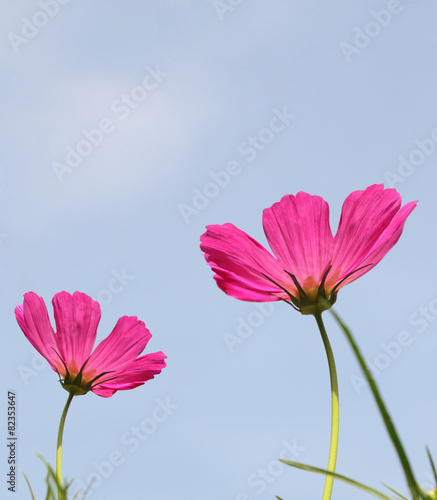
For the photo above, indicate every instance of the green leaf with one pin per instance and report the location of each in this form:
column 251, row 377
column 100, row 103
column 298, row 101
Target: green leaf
column 416, row 491
column 432, row 464
column 52, row 483
column 87, row 489
column 352, row 482
column 400, row 495
column 28, row 484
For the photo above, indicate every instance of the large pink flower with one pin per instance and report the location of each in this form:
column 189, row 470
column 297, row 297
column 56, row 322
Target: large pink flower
column 310, row 263
column 114, row 365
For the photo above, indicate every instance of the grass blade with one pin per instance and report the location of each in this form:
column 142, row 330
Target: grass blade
column 432, row 464
column 411, row 480
column 399, row 494
column 345, row 479
column 28, row 484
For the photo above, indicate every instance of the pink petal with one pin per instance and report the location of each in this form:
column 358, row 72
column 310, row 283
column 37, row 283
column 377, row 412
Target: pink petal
column 33, row 319
column 77, row 317
column 103, row 392
column 232, row 284
column 124, row 344
column 135, row 374
column 385, row 242
column 298, row 232
column 240, row 262
column 365, row 216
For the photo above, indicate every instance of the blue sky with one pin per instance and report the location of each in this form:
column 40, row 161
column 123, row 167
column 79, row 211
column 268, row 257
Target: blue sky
column 126, row 130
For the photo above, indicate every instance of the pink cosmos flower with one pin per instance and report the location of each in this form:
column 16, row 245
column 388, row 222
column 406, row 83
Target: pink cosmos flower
column 114, row 365
column 310, row 263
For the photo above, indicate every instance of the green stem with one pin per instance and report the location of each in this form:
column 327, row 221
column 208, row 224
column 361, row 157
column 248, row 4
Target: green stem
column 335, row 409
column 59, row 447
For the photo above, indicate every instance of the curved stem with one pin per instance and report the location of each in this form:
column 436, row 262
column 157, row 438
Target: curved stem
column 335, row 411
column 59, row 447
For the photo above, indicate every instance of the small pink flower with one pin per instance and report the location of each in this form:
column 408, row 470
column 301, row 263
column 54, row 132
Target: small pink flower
column 310, row 263
column 114, row 365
